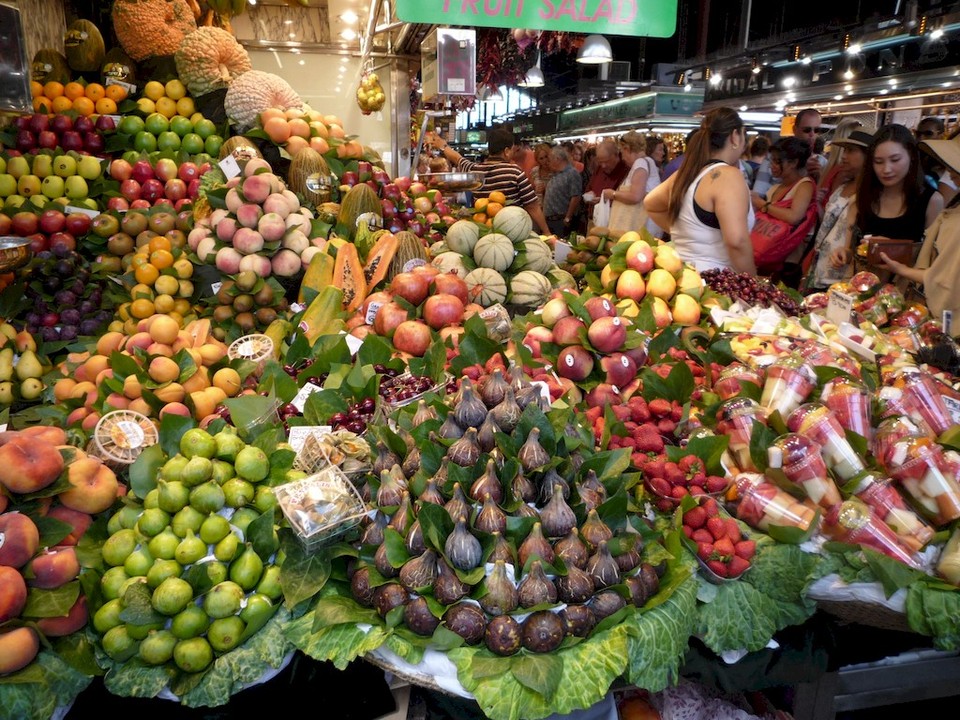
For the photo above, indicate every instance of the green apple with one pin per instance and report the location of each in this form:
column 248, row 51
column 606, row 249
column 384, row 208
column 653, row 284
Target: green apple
column 212, row 145
column 204, row 128
column 130, row 124
column 131, row 156
column 156, row 123
column 88, row 203
column 18, row 166
column 52, row 186
column 39, row 201
column 42, row 166
column 181, row 125
column 16, row 201
column 76, row 187
column 168, row 140
column 89, row 168
column 65, row 166
column 8, row 185
column 144, row 141
column 28, row 185
column 192, row 143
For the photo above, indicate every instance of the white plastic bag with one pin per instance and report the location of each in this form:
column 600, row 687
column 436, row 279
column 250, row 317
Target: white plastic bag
column 601, row 213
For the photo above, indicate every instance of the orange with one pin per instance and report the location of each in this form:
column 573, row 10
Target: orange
column 139, row 259
column 481, row 204
column 181, row 306
column 84, row 106
column 141, row 308
column 36, row 89
column 166, row 285
column 42, row 104
column 493, row 208
column 497, row 197
column 142, row 290
column 106, row 106
column 73, row 90
column 53, row 89
column 480, row 217
column 95, row 91
column 161, row 259
column 62, row 104
column 146, row 274
column 160, row 242
column 116, row 93
column 123, row 312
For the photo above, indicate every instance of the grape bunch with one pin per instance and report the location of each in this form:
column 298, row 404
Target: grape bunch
column 65, row 300
column 751, row 289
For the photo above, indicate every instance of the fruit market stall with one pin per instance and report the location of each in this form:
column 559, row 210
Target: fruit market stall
column 265, row 401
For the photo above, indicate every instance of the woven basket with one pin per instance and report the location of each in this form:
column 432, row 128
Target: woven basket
column 863, row 613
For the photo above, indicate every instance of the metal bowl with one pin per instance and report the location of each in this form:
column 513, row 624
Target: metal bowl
column 453, row 181
column 14, row 252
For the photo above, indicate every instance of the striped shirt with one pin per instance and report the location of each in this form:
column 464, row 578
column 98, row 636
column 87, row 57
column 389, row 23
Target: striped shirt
column 503, row 176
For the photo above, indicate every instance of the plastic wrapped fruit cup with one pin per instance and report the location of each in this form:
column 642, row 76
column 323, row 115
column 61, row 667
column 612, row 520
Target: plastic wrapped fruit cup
column 762, row 505
column 255, row 348
column 816, row 422
column 854, row 522
column 735, row 419
column 850, row 403
column 888, row 504
column 890, row 432
column 920, row 466
column 733, row 378
column 801, row 460
column 789, row 382
column 922, row 395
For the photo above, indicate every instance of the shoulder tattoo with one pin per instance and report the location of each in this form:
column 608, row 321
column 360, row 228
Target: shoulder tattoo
column 715, row 174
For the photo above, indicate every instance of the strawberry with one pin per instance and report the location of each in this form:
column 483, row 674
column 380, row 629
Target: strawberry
column 676, row 412
column 678, row 492
column 716, row 484
column 640, row 413
column 649, row 444
column 614, row 443
column 630, row 426
column 695, row 517
column 666, row 426
column 593, row 413
column 702, row 535
column 660, row 486
column 699, row 478
column 697, row 370
column 638, row 460
column 710, row 505
column 705, row 550
column 690, row 463
column 621, row 412
column 737, row 566
column 724, row 548
column 628, row 442
column 659, row 407
column 654, row 468
column 733, row 530
column 718, row 568
column 687, row 530
column 664, row 506
column 662, row 370
column 598, row 426
column 696, row 491
column 674, row 474
column 717, row 527
column 745, row 549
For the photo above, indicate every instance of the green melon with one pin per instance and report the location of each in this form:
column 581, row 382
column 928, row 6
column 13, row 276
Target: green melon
column 514, row 222
column 494, row 251
column 539, row 256
column 462, row 237
column 529, row 288
column 486, row 287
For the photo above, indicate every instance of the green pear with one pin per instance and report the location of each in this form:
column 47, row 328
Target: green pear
column 65, row 166
column 88, row 168
column 29, row 366
column 18, row 166
column 42, row 166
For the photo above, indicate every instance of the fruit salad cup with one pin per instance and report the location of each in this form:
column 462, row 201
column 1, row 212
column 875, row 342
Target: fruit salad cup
column 816, row 422
column 762, row 504
column 889, row 433
column 854, row 522
column 735, row 419
column 789, row 381
column 888, row 504
column 733, row 378
column 850, row 403
column 801, row 460
column 920, row 466
column 921, row 395
column 894, row 404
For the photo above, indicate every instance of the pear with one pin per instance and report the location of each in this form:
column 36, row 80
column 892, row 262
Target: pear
column 29, row 365
column 24, row 341
column 6, row 365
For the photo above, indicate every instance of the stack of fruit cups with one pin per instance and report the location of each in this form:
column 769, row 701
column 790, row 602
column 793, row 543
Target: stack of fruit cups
column 733, row 378
column 802, row 462
column 891, row 431
column 854, row 522
column 789, row 381
column 888, row 504
column 762, row 504
column 850, row 403
column 920, row 466
column 922, row 397
column 816, row 422
column 735, row 419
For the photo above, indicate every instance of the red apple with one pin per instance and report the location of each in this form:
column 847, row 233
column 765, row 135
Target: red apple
column 51, row 221
column 63, row 240
column 77, row 224
column 38, row 242
column 24, row 223
column 118, row 204
column 130, row 189
column 120, row 170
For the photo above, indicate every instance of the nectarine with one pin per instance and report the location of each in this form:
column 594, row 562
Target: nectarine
column 94, row 486
column 19, row 539
column 13, row 593
column 18, row 648
column 28, row 464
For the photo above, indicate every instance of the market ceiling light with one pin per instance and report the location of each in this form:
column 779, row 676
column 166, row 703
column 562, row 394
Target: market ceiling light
column 743, row 108
column 716, row 79
column 838, row 97
column 688, row 87
column 805, row 60
column 937, row 34
column 490, row 95
column 789, row 82
column 349, row 17
column 595, row 50
column 348, row 34
column 848, row 75
column 533, row 79
column 854, row 49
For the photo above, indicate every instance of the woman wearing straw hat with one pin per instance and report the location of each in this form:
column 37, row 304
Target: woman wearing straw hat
column 938, row 264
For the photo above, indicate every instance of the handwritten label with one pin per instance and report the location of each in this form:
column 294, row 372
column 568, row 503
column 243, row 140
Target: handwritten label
column 132, row 433
column 953, row 406
column 306, row 391
column 456, row 85
column 839, row 307
column 215, row 287
column 230, row 166
column 560, row 251
column 299, row 433
column 372, row 310
column 297, row 307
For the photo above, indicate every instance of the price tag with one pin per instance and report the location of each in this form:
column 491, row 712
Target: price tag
column 953, row 406
column 374, row 221
column 839, row 307
column 129, row 87
column 354, row 344
column 85, row 211
column 560, row 251
column 456, row 85
column 297, row 307
column 372, row 310
column 306, row 391
column 947, row 322
column 215, row 287
column 299, row 433
column 230, row 166
column 133, row 434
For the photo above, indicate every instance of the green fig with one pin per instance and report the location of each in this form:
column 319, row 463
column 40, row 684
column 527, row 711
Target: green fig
column 190, row 549
column 247, row 569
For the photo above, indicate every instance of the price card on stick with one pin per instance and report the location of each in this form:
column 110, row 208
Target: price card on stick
column 560, row 251
column 299, row 434
column 230, row 166
column 839, row 307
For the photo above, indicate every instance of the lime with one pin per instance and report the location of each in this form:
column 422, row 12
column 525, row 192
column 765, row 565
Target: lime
column 224, row 633
column 198, row 443
column 118, row 546
column 168, row 141
column 204, row 128
column 156, row 123
column 227, row 549
column 192, row 621
column 212, row 145
column 118, row 644
column 181, row 125
column 152, row 499
column 157, row 647
column 215, row 572
column 171, row 596
column 252, row 464
column 269, row 583
column 193, row 655
column 130, row 124
column 191, row 143
column 264, row 500
column 246, row 570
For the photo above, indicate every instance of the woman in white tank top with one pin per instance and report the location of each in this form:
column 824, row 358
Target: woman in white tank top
column 706, row 203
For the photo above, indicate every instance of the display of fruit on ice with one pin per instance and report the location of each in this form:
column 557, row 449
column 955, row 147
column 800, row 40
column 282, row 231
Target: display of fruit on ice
column 21, row 367
column 263, row 228
column 49, row 229
column 192, row 134
column 85, row 100
column 145, row 181
column 449, row 565
column 161, row 368
column 190, row 555
column 49, row 176
column 38, row 558
column 245, row 303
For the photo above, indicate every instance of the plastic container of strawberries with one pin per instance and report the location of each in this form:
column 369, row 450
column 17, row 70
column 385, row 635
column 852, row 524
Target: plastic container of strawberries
column 741, row 534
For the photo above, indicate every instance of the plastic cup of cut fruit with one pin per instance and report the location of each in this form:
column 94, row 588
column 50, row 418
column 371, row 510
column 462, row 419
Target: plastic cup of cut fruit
column 801, row 460
column 891, row 431
column 255, row 348
column 816, row 422
column 888, row 504
column 922, row 395
column 789, row 382
column 920, row 466
column 762, row 505
column 850, row 403
column 735, row 419
column 853, row 521
column 733, row 379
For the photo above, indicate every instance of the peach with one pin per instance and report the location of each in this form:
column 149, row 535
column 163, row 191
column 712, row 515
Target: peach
column 20, row 539
column 103, row 375
column 82, row 389
column 171, row 392
column 228, row 260
column 212, row 353
column 216, row 394
column 175, row 408
column 94, row 486
column 276, row 203
column 78, row 521
column 160, row 349
column 18, row 648
column 77, row 415
column 109, row 342
column 141, row 340
column 162, row 369
column 90, row 421
column 248, row 215
column 207, row 249
column 203, row 404
column 28, row 464
column 226, row 229
column 661, row 284
column 248, row 241
column 80, row 374
column 256, row 188
column 116, row 401
column 200, row 380
column 131, row 387
column 141, row 406
column 255, row 164
column 63, row 388
column 53, row 567
column 47, row 433
column 13, row 593
column 74, row 620
column 686, row 310
column 95, row 364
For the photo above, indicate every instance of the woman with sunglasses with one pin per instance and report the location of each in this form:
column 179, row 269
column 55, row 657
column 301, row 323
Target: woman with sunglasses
column 705, row 205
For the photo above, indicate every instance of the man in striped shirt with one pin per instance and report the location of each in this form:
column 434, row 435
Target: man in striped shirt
column 499, row 173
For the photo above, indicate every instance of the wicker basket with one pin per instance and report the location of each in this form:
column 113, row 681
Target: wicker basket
column 864, row 613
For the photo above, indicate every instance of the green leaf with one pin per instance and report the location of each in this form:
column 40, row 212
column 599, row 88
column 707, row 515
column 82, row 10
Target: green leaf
column 135, row 679
column 664, row 341
column 376, row 350
column 41, row 688
column 52, row 531
column 321, row 405
column 51, row 603
column 397, row 553
column 138, row 609
column 540, row 673
column 201, row 577
column 302, row 574
column 273, row 379
column 892, row 574
column 260, row 534
column 172, row 428
column 435, row 523
column 336, row 610
column 709, row 448
column 248, row 412
column 144, row 470
column 339, row 644
column 935, row 613
column 432, row 364
column 761, row 438
column 739, row 617
column 123, row 366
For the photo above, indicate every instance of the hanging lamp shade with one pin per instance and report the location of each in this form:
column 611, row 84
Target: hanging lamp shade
column 533, row 78
column 595, row 50
column 490, row 94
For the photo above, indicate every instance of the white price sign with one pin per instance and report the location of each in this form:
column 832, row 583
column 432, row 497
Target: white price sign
column 560, row 251
column 299, row 433
column 839, row 307
column 230, row 166
column 306, row 391
column 354, row 344
column 953, row 406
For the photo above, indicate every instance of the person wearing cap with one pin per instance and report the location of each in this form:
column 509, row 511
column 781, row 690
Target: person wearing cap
column 938, row 264
column 832, row 260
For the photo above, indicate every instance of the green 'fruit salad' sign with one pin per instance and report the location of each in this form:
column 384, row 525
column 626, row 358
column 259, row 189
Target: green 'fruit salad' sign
column 653, row 18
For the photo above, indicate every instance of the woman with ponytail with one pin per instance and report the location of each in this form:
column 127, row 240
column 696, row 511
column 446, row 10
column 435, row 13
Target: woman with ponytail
column 706, row 203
